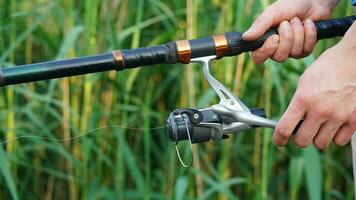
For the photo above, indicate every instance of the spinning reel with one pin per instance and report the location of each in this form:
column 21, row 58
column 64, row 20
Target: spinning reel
column 230, row 115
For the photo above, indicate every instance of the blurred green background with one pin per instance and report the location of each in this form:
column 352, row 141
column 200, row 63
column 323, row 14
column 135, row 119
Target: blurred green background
column 121, row 163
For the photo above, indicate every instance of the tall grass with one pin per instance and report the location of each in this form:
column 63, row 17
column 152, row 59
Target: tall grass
column 119, row 163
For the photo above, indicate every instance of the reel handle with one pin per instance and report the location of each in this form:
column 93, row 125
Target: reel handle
column 297, row 127
column 261, row 112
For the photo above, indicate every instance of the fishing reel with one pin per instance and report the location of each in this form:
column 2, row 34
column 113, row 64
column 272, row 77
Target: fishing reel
column 203, row 125
column 230, row 115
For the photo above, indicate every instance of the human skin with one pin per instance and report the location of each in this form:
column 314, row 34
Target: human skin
column 326, row 94
column 325, row 98
column 297, row 34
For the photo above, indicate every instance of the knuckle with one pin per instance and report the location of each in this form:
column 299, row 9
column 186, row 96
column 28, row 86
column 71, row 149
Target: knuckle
column 340, row 117
column 322, row 111
column 257, row 61
column 296, row 52
column 308, row 49
column 256, row 57
column 340, row 141
column 301, row 143
column 279, row 57
column 302, row 99
column 285, row 135
column 343, row 137
column 282, row 131
column 320, row 144
column 278, row 140
column 294, row 56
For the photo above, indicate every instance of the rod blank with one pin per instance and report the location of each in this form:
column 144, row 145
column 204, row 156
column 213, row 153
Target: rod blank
column 57, row 69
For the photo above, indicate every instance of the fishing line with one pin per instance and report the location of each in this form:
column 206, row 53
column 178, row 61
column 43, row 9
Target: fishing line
column 81, row 135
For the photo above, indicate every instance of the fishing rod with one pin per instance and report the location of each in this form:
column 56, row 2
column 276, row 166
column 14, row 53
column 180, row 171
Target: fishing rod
column 216, row 122
column 182, row 51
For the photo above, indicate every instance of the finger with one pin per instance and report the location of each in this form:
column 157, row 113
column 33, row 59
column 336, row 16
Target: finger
column 307, row 131
column 294, row 113
column 286, row 37
column 344, row 134
column 302, row 55
column 310, row 36
column 297, row 27
column 272, row 15
column 326, row 133
column 267, row 50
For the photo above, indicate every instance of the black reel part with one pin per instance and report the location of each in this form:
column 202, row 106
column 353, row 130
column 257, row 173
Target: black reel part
column 203, row 124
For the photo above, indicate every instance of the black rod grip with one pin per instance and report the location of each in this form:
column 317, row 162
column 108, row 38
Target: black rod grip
column 56, row 69
column 325, row 29
column 334, row 27
column 144, row 56
column 202, row 47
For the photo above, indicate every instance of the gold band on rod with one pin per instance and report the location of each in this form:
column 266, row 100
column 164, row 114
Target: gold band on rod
column 221, row 45
column 184, row 51
column 118, row 59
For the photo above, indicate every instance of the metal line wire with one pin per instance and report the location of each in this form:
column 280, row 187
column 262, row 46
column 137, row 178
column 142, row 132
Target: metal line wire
column 191, row 148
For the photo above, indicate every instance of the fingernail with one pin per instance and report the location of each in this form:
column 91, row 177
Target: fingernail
column 275, row 40
column 309, row 23
column 249, row 31
column 284, row 25
column 294, row 20
column 246, row 33
column 252, row 27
